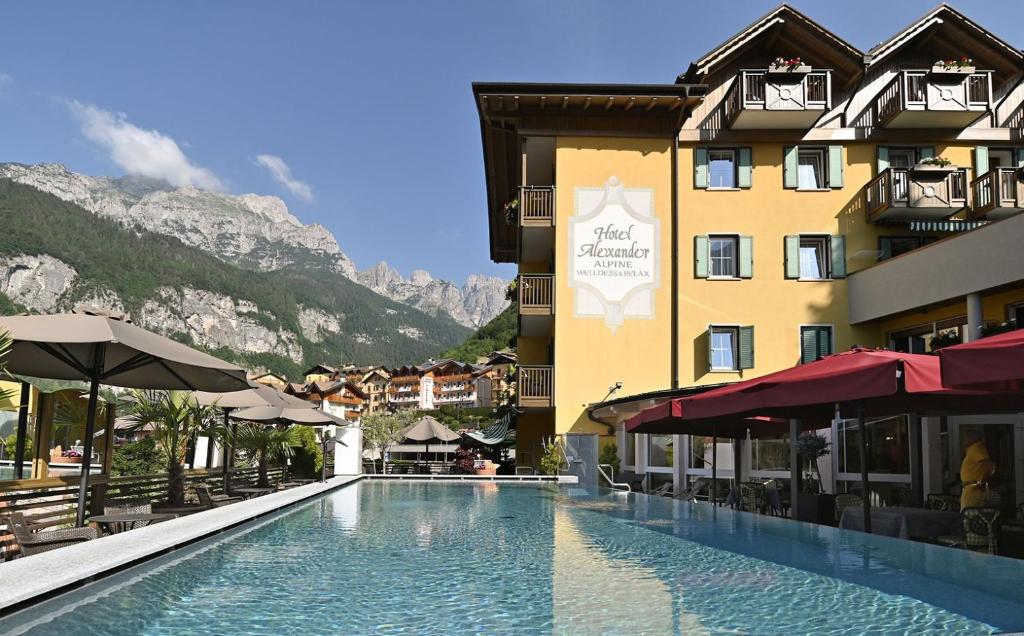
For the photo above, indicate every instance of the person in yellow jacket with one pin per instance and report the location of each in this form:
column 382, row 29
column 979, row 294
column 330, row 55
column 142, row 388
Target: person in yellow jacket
column 975, row 470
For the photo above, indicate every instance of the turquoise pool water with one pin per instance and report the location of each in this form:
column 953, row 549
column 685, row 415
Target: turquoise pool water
column 436, row 558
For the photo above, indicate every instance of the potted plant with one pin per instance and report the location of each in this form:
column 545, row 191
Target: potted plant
column 992, row 328
column 512, row 212
column 813, row 503
column 945, row 339
column 788, row 65
column 934, row 163
column 511, row 292
column 963, row 65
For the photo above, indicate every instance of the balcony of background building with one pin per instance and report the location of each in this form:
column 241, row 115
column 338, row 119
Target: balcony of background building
column 938, row 98
column 918, row 193
column 535, row 387
column 536, row 223
column 997, row 194
column 778, row 97
column 536, row 294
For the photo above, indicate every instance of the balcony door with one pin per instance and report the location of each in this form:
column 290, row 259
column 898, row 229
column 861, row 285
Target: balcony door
column 901, row 159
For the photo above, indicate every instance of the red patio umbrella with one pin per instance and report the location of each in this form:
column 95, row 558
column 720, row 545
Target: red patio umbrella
column 994, row 363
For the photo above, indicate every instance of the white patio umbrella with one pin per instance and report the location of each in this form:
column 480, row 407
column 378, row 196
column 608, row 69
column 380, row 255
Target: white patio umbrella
column 105, row 350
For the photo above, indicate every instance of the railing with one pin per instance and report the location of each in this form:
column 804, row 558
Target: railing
column 907, row 188
column 536, row 294
column 608, row 478
column 761, row 89
column 923, row 90
column 537, row 206
column 535, row 386
column 999, row 188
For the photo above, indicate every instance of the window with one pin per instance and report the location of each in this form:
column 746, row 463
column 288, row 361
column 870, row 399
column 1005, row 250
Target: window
column 723, row 254
column 815, row 342
column 889, row 246
column 770, row 454
column 887, row 444
column 814, row 257
column 721, row 169
column 629, row 450
column 659, row 451
column 700, row 452
column 1015, row 314
column 810, row 169
column 723, row 348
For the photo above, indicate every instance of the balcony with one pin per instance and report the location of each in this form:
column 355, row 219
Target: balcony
column 536, row 223
column 778, row 98
column 914, row 194
column 535, row 387
column 536, row 304
column 997, row 194
column 933, row 99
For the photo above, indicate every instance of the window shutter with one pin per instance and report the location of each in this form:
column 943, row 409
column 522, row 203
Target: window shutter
column 980, row 160
column 700, row 256
column 792, row 256
column 808, row 344
column 743, row 174
column 824, row 341
column 885, row 247
column 837, row 246
column 700, row 167
column 789, row 167
column 925, row 152
column 835, row 166
column 1020, row 157
column 883, row 159
column 707, row 336
column 746, row 348
column 746, row 256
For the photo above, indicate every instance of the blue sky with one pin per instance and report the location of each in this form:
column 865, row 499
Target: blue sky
column 367, row 104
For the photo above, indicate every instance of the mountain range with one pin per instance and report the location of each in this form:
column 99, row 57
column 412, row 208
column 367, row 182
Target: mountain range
column 236, row 275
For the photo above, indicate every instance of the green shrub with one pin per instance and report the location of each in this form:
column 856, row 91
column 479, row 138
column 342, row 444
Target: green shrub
column 138, row 458
column 551, row 460
column 610, row 455
column 308, row 460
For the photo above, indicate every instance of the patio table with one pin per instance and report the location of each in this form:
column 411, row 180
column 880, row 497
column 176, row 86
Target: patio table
column 249, row 493
column 904, row 522
column 113, row 524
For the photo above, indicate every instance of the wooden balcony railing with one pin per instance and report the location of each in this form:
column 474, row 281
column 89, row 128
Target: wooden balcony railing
column 537, row 206
column 788, row 91
column 946, row 93
column 908, row 194
column 536, row 294
column 999, row 189
column 535, row 386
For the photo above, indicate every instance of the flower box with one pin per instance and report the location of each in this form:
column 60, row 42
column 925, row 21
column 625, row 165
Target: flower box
column 782, row 68
column 942, row 69
column 65, row 460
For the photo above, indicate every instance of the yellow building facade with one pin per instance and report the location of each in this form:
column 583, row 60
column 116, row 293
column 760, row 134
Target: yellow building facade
column 789, row 196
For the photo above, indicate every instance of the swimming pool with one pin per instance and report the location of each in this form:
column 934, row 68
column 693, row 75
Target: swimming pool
column 448, row 558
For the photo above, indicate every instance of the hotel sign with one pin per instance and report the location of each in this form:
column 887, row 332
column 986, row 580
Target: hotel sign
column 613, row 253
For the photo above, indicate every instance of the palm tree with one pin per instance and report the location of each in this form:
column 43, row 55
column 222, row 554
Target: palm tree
column 263, row 444
column 175, row 419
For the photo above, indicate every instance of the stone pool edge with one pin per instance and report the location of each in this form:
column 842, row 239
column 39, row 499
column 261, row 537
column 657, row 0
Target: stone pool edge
column 34, row 578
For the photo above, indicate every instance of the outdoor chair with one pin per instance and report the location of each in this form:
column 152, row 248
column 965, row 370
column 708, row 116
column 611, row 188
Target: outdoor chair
column 664, row 490
column 30, row 543
column 945, row 503
column 214, row 501
column 981, row 528
column 845, row 501
column 752, row 496
column 128, row 507
column 695, row 488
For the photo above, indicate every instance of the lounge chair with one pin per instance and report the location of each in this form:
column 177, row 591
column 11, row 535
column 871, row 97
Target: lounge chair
column 690, row 494
column 214, row 501
column 30, row 543
column 664, row 490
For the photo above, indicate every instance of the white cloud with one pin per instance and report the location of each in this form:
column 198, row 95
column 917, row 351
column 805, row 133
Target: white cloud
column 5, row 80
column 281, row 173
column 148, row 153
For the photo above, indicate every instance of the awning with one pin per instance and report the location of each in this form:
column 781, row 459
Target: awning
column 945, row 226
column 996, row 363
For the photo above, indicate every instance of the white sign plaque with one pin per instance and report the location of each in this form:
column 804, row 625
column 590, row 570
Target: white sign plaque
column 613, row 253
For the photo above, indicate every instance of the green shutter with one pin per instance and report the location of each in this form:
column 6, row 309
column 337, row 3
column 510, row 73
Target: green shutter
column 700, row 256
column 825, row 341
column 746, row 257
column 925, row 152
column 883, row 159
column 746, row 348
column 837, row 247
column 792, row 253
column 1019, row 152
column 743, row 175
column 835, row 166
column 707, row 336
column 700, row 167
column 808, row 344
column 789, row 166
column 980, row 160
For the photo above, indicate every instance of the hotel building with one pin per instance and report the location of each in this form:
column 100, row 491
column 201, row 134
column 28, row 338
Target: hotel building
column 788, row 196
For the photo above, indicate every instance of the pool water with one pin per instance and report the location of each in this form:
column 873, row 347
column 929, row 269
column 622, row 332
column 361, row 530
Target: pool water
column 445, row 558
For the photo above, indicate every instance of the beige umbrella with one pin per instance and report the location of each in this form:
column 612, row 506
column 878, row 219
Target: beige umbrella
column 427, row 429
column 255, row 396
column 306, row 417
column 104, row 350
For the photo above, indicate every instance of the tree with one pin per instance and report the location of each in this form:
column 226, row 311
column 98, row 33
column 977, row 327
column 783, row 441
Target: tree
column 309, row 455
column 381, row 431
column 175, row 418
column 262, row 444
column 137, row 458
column 10, row 447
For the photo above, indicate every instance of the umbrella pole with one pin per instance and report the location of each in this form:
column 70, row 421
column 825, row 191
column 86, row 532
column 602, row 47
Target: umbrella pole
column 714, row 468
column 864, row 466
column 90, row 428
column 224, row 449
column 19, row 446
column 323, row 464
